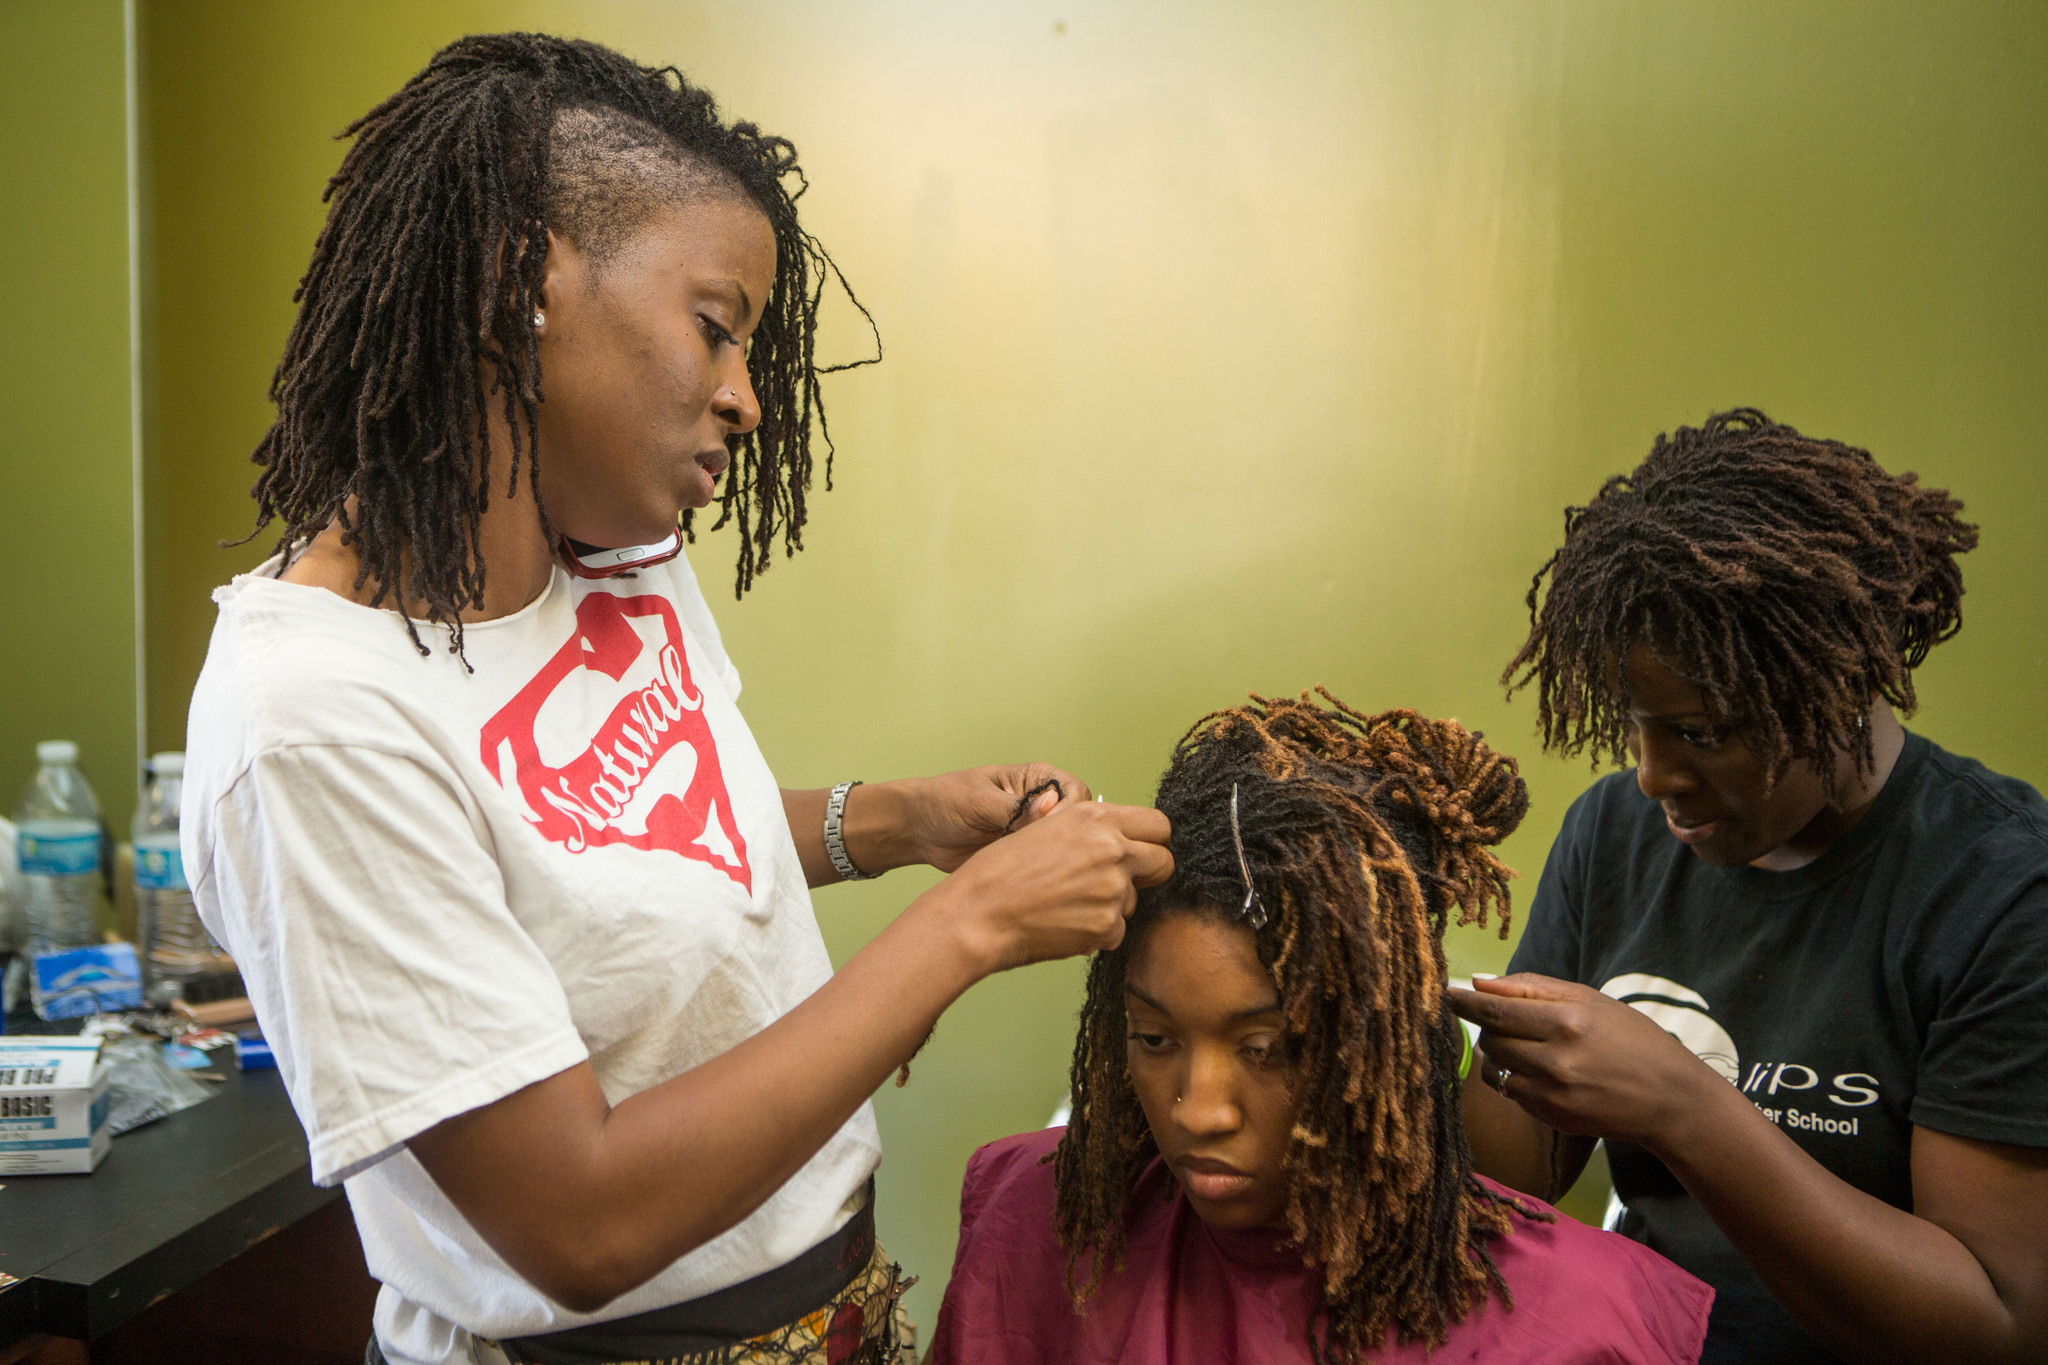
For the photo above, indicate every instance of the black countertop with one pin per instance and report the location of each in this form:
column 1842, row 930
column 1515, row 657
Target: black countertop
column 173, row 1200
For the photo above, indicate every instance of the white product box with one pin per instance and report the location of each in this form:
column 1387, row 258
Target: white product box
column 53, row 1105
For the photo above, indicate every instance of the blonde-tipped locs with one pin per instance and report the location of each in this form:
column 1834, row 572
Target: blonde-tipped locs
column 1363, row 834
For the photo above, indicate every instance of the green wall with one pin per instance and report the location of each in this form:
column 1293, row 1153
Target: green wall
column 1230, row 347
column 67, row 497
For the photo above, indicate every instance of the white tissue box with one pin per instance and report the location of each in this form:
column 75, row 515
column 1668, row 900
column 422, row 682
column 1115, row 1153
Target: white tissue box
column 53, row 1105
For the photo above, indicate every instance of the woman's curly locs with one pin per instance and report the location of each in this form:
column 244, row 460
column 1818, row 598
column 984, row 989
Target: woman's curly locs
column 1362, row 832
column 416, row 312
column 1792, row 580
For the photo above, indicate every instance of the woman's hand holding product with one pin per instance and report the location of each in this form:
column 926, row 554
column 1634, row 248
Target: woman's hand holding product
column 938, row 820
column 1584, row 1063
column 1060, row 888
column 961, row 812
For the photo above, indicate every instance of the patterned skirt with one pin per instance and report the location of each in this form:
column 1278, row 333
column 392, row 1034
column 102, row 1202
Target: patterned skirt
column 858, row 1318
column 864, row 1324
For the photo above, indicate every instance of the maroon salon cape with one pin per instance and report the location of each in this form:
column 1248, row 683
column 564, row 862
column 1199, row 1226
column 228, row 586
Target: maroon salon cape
column 1192, row 1295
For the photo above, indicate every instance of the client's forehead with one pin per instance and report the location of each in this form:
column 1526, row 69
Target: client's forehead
column 1199, row 966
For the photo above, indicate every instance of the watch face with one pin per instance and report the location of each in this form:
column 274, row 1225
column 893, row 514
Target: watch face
column 594, row 561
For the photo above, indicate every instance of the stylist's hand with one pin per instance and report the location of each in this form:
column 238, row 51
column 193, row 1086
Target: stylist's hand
column 1059, row 887
column 1581, row 1061
column 954, row 814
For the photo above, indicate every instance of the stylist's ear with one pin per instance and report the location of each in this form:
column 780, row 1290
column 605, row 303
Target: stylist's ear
column 566, row 272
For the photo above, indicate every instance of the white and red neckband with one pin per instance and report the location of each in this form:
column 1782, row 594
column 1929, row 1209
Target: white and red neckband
column 594, row 561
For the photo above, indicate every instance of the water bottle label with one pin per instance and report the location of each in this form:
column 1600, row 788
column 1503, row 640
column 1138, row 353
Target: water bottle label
column 58, row 855
column 159, row 867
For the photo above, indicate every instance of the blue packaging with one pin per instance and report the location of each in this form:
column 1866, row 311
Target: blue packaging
column 252, row 1053
column 101, row 979
column 186, row 1058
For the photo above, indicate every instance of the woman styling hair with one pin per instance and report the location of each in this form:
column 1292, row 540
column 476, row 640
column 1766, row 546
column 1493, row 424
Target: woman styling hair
column 1827, row 1100
column 520, row 905
column 1266, row 1161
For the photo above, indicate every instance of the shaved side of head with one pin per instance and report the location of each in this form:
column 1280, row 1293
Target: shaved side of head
column 609, row 172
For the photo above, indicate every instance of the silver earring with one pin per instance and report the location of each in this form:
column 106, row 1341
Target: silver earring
column 539, row 318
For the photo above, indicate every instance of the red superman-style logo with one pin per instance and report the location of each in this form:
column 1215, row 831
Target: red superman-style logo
column 597, row 796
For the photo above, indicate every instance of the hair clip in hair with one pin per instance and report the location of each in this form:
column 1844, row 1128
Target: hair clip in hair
column 1251, row 912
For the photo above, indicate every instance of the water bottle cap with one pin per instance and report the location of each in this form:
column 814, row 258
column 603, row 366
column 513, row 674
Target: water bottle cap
column 170, row 764
column 56, row 751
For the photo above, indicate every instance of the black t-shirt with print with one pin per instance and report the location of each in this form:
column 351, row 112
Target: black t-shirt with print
column 1901, row 979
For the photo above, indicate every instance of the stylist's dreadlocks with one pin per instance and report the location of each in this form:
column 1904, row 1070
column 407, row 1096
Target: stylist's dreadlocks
column 1792, row 580
column 417, row 310
column 1362, row 832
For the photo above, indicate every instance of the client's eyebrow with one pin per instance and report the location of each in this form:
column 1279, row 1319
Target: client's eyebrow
column 1252, row 1013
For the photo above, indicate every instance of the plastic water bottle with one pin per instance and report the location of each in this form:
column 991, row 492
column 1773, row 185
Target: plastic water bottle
column 176, row 949
column 58, row 837
column 13, row 894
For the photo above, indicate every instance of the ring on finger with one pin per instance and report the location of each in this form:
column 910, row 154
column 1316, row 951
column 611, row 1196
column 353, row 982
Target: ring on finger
column 1502, row 1084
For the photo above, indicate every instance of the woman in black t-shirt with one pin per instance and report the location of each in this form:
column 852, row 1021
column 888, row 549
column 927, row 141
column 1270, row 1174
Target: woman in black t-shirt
column 1830, row 1098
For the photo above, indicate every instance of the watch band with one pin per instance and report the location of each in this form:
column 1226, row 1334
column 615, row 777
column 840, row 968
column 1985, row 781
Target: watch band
column 835, row 839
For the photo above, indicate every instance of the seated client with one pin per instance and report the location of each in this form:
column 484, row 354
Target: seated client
column 1266, row 1161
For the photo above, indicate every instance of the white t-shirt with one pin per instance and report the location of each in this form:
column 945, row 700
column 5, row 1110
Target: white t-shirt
column 443, row 885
